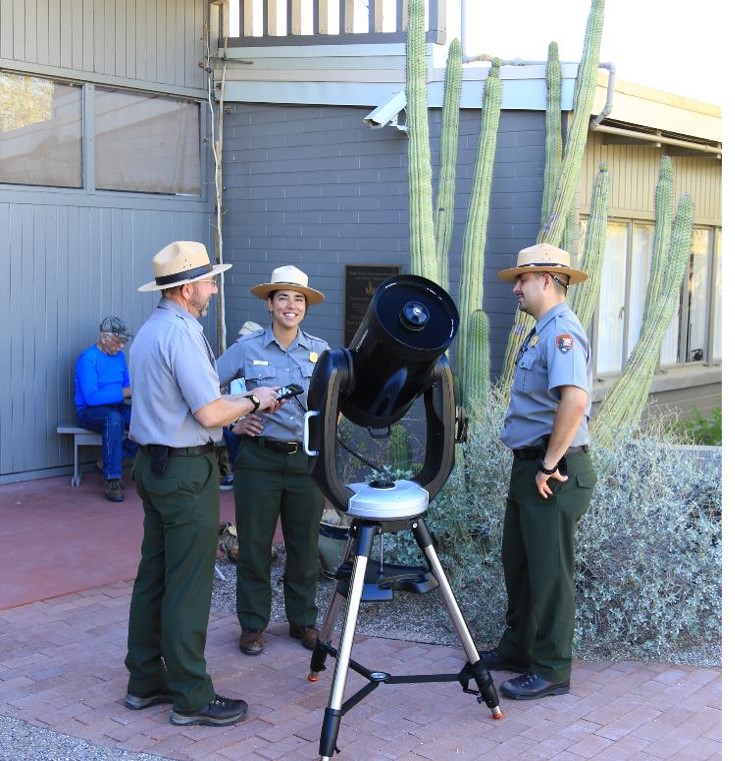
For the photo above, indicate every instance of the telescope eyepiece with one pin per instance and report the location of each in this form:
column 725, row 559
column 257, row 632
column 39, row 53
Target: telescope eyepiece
column 414, row 315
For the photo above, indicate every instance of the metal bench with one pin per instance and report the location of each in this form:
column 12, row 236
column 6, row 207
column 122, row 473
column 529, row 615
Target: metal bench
column 83, row 437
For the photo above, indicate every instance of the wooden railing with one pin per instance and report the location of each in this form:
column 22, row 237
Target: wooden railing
column 324, row 22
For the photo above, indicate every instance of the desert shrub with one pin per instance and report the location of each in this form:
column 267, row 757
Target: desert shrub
column 648, row 551
column 697, row 429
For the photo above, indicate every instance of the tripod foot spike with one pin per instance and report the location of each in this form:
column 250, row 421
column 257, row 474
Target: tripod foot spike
column 496, row 713
column 313, row 677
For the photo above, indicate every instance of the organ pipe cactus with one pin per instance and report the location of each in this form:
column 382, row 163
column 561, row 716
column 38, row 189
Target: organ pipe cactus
column 662, row 231
column 421, row 223
column 621, row 410
column 555, row 225
column 475, row 233
column 554, row 144
column 584, row 93
column 476, row 376
column 399, row 450
column 584, row 296
column 444, row 211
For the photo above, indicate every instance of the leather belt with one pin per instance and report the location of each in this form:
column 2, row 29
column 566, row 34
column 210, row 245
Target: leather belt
column 536, row 453
column 181, row 451
column 280, row 447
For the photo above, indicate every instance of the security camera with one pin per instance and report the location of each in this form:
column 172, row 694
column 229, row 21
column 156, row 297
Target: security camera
column 388, row 112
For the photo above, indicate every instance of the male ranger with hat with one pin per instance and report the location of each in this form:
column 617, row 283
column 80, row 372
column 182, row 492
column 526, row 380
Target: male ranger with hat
column 178, row 415
column 551, row 480
column 272, row 477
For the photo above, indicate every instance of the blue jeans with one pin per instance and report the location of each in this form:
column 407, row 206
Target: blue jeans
column 112, row 421
column 232, row 441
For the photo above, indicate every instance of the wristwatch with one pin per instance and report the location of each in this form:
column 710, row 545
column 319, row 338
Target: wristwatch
column 254, row 399
column 547, row 471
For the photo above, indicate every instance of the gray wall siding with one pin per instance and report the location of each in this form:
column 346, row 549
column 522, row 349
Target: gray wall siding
column 65, row 266
column 315, row 187
column 144, row 41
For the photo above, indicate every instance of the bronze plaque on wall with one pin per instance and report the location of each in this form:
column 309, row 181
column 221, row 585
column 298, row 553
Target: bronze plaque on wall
column 361, row 282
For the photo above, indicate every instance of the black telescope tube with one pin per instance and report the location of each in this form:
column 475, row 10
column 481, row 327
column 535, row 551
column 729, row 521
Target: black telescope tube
column 409, row 324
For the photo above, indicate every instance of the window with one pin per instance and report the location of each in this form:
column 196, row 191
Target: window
column 695, row 331
column 40, row 132
column 142, row 143
column 146, row 144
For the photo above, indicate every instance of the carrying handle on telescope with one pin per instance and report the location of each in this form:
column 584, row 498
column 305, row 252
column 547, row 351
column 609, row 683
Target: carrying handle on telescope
column 307, row 448
column 441, row 420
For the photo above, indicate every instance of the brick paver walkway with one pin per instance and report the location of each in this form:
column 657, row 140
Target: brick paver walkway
column 62, row 668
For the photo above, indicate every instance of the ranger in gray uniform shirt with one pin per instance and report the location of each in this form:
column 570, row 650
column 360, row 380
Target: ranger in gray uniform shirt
column 551, row 480
column 272, row 479
column 179, row 413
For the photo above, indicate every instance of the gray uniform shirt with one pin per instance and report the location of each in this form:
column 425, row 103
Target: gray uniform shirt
column 172, row 375
column 259, row 359
column 557, row 355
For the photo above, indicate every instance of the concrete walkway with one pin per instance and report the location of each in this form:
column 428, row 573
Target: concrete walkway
column 62, row 668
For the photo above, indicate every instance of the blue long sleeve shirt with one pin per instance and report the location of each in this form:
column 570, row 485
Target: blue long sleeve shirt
column 99, row 378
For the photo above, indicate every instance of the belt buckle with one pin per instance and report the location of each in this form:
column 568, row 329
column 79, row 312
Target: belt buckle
column 290, row 447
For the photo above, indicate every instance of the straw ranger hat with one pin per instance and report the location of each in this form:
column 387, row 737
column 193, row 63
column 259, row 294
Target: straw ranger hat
column 288, row 278
column 181, row 262
column 543, row 257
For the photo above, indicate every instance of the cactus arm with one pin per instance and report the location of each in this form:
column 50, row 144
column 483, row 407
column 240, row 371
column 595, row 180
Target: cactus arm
column 421, row 223
column 552, row 165
column 585, row 86
column 444, row 210
column 585, row 295
column 476, row 387
column 475, row 234
column 662, row 231
column 621, row 410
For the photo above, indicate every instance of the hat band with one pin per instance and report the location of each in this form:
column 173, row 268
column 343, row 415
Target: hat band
column 185, row 275
column 544, row 264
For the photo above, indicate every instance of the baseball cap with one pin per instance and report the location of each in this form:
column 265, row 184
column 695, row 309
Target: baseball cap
column 115, row 326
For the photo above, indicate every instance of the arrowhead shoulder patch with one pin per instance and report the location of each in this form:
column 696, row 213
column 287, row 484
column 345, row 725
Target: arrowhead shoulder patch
column 564, row 342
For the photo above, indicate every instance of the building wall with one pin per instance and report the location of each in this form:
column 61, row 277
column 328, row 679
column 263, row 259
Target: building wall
column 70, row 257
column 315, row 187
column 149, row 42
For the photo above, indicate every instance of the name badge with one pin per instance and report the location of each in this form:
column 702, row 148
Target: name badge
column 262, row 362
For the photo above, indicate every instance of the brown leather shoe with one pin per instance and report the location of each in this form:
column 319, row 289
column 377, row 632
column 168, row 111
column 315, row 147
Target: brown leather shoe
column 307, row 634
column 251, row 642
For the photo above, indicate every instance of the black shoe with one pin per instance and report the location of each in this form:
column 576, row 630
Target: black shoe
column 221, row 712
column 147, row 699
column 531, row 686
column 497, row 662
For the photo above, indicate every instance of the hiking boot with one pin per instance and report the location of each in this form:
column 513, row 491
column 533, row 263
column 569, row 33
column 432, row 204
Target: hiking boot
column 114, row 490
column 495, row 661
column 221, row 712
column 146, row 699
column 251, row 641
column 307, row 634
column 531, row 686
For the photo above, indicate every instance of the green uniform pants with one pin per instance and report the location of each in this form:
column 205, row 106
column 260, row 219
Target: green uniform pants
column 269, row 485
column 169, row 609
column 538, row 564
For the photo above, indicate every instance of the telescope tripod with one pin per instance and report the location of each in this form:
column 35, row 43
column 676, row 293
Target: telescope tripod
column 363, row 533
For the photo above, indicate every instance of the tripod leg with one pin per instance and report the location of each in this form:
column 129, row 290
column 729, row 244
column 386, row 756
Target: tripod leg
column 336, row 603
column 477, row 667
column 333, row 712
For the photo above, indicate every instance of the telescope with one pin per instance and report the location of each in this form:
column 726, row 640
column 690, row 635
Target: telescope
column 397, row 355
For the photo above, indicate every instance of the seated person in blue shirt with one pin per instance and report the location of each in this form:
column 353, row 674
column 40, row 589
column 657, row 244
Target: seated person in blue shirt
column 101, row 390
